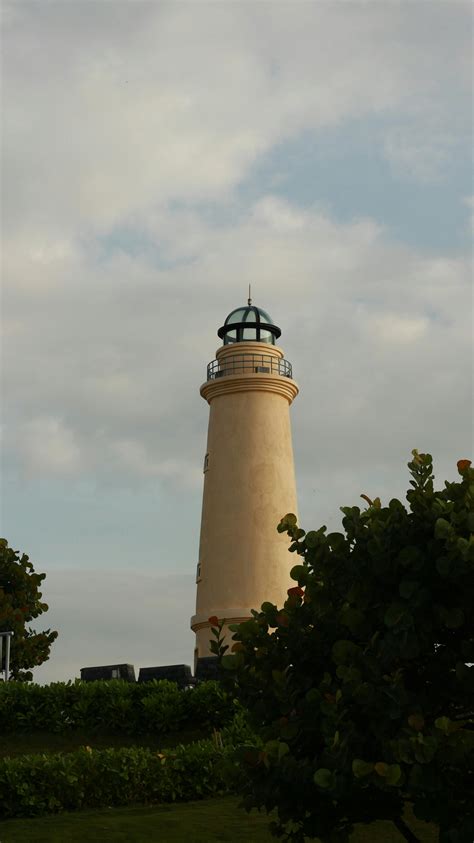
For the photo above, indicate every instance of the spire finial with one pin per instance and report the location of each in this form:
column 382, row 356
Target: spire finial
column 250, row 295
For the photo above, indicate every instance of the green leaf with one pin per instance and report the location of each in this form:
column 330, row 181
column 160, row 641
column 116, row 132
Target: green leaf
column 313, row 696
column 416, row 722
column 442, row 528
column 324, row 778
column 277, row 749
column 348, row 674
column 398, row 615
column 410, row 556
column 452, row 618
column 444, row 724
column 411, row 648
column 443, row 566
column 425, row 748
column 344, row 652
column 229, row 662
column 312, row 539
column 299, row 573
column 381, row 768
column 287, row 523
column 362, row 768
column 336, row 541
column 283, row 749
column 407, row 588
column 352, row 618
column 364, row 693
column 394, row 775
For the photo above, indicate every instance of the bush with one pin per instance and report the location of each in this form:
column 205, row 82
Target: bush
column 209, row 705
column 113, row 706
column 361, row 686
column 20, row 604
column 32, row 785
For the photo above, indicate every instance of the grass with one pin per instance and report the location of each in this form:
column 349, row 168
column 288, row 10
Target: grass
column 210, row 821
column 196, row 822
column 49, row 742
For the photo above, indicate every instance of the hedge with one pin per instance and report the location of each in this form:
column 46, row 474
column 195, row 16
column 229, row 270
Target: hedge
column 112, row 706
column 32, row 785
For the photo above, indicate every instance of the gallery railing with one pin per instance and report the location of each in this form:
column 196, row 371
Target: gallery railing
column 240, row 364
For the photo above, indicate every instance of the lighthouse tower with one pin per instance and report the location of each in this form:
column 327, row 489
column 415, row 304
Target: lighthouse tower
column 249, row 477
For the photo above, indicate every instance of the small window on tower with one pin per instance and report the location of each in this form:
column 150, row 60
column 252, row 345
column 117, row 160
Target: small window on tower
column 198, row 572
column 206, row 463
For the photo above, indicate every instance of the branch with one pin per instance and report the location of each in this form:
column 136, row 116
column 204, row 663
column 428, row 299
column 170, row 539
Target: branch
column 405, row 831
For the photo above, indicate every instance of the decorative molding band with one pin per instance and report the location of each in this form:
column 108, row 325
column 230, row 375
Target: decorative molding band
column 251, row 382
column 240, row 348
column 230, row 615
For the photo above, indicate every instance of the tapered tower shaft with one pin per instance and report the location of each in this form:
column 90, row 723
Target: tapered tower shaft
column 249, row 479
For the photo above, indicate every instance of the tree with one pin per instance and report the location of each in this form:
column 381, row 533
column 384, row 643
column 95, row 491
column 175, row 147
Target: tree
column 20, row 603
column 360, row 687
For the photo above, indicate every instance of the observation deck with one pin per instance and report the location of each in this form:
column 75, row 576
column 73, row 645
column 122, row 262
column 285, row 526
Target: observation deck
column 249, row 360
column 246, row 363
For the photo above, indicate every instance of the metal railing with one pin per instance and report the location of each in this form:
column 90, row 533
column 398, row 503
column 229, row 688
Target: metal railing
column 5, row 654
column 239, row 364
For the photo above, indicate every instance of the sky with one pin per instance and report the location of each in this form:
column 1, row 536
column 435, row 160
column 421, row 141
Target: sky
column 157, row 158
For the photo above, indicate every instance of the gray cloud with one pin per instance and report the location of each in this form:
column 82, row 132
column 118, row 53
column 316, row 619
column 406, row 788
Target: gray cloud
column 115, row 617
column 104, row 371
column 126, row 241
column 109, row 115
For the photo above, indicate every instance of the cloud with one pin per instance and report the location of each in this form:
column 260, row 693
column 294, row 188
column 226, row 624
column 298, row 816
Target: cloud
column 401, row 329
column 469, row 201
column 115, row 617
column 126, row 112
column 419, row 152
column 46, row 445
column 106, row 367
column 133, row 221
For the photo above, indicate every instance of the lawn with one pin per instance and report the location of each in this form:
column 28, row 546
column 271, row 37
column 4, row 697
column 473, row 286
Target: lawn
column 210, row 821
column 196, row 822
column 217, row 820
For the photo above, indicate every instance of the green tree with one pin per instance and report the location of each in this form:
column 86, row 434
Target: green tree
column 20, row 603
column 360, row 687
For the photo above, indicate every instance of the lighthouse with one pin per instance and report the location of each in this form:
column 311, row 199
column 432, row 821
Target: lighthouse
column 249, row 476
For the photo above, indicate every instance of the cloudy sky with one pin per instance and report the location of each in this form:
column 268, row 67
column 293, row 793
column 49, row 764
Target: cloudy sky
column 158, row 157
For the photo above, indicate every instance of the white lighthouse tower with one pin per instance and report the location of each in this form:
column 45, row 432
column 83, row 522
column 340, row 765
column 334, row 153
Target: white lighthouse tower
column 249, row 477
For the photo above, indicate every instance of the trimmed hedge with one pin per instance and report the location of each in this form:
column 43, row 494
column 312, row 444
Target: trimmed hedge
column 112, row 706
column 32, row 785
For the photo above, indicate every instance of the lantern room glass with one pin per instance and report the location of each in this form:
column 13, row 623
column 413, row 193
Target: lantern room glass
column 252, row 324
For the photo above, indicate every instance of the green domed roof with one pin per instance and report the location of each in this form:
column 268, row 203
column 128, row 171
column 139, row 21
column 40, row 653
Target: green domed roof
column 249, row 324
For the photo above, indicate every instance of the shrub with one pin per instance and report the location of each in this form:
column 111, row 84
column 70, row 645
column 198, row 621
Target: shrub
column 32, row 785
column 209, row 705
column 163, row 710
column 112, row 706
column 20, row 604
column 361, row 686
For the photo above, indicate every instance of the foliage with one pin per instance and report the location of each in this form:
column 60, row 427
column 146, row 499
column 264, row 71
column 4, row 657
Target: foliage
column 112, row 706
column 20, row 603
column 32, row 785
column 209, row 705
column 360, row 686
